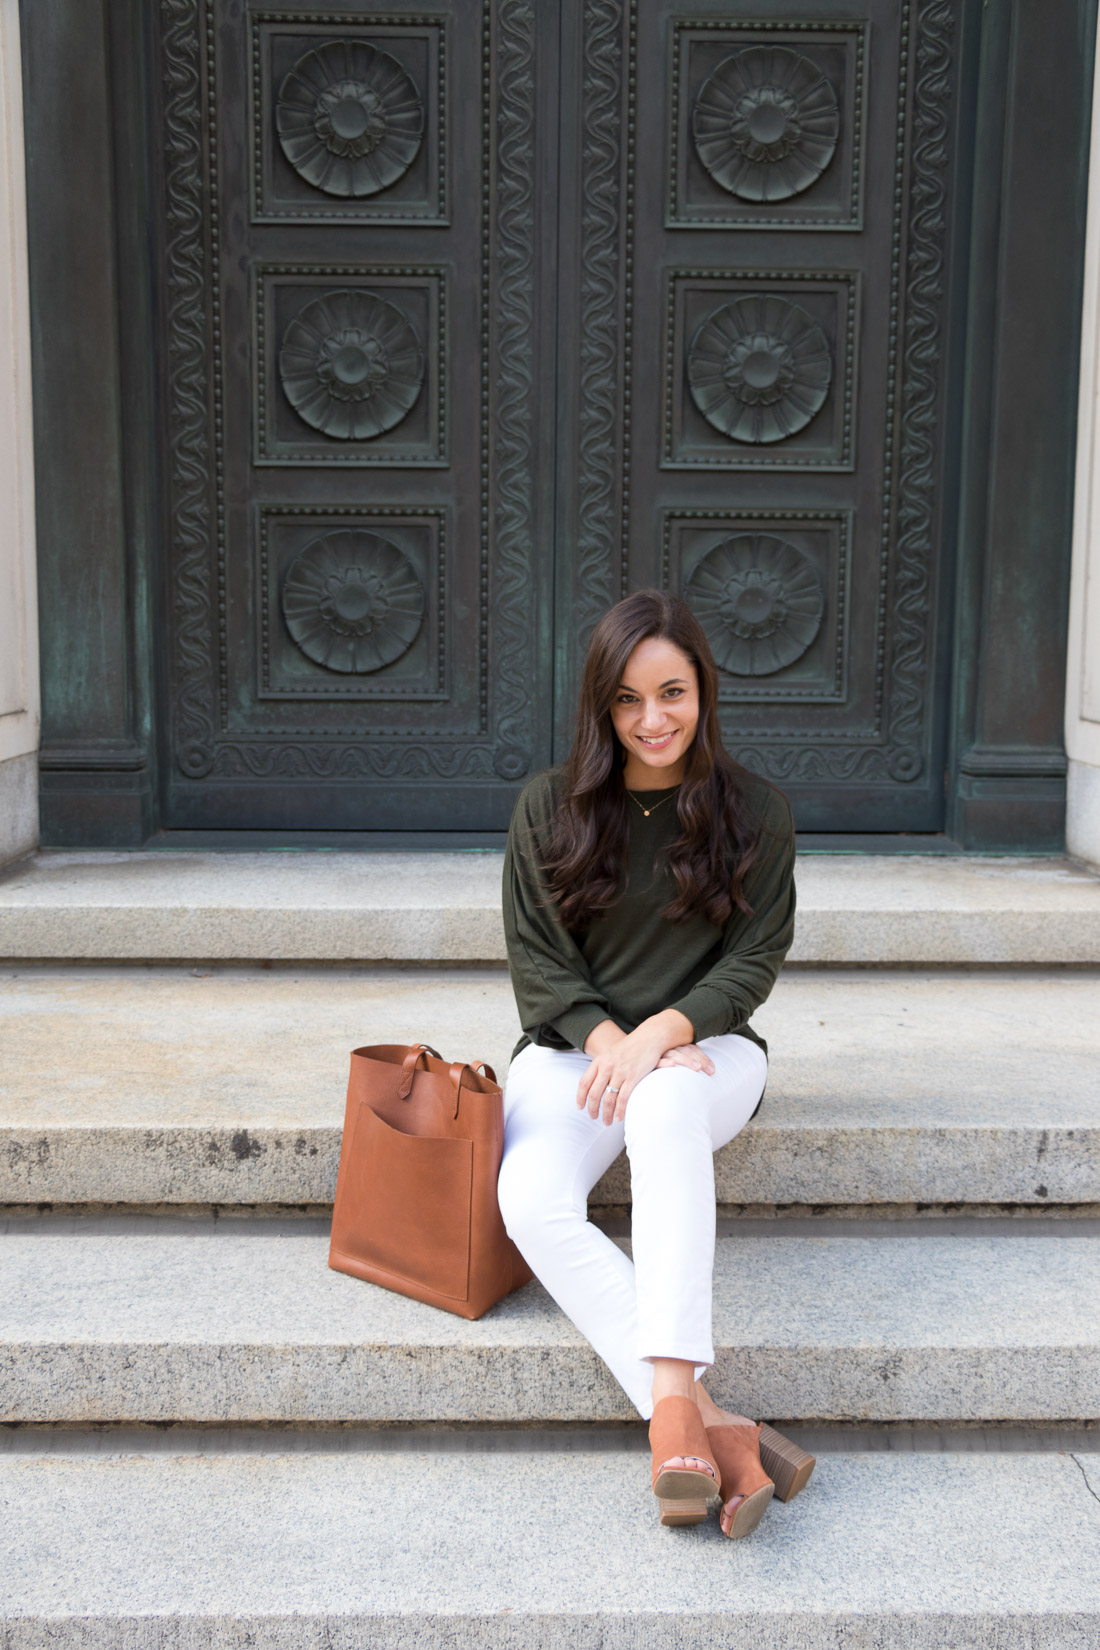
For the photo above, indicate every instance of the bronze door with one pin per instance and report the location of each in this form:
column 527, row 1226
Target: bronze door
column 476, row 317
column 758, row 391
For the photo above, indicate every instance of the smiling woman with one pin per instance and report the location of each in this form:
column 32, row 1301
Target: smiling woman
column 648, row 906
column 655, row 719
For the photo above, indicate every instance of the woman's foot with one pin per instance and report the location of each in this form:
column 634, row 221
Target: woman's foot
column 713, row 1416
column 685, row 1471
column 675, row 1378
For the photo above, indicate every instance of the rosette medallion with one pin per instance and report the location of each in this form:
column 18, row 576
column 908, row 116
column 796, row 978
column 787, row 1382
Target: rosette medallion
column 760, row 601
column 759, row 369
column 352, row 601
column 349, row 118
column 351, row 365
column 765, row 123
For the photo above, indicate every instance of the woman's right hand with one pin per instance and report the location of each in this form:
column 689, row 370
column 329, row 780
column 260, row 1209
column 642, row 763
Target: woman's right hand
column 619, row 1067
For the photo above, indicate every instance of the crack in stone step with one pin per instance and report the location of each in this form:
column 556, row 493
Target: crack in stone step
column 182, row 1439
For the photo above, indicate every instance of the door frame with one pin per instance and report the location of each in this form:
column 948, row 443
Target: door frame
column 89, row 74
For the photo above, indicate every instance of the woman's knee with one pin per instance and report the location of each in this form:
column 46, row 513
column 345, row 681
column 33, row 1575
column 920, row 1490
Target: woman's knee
column 529, row 1198
column 667, row 1108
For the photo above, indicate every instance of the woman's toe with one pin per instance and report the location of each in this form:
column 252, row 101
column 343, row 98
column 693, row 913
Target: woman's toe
column 728, row 1511
column 690, row 1463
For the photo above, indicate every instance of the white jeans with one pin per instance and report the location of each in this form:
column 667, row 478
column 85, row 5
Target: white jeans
column 659, row 1305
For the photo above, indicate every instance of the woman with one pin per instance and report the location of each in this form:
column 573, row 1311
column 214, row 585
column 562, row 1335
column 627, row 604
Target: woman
column 648, row 906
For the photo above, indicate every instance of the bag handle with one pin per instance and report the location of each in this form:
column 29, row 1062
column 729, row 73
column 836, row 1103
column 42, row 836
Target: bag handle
column 409, row 1065
column 459, row 1068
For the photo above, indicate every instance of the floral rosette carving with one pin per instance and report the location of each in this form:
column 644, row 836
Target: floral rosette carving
column 353, row 602
column 760, row 602
column 349, row 118
column 759, row 369
column 765, row 123
column 351, row 365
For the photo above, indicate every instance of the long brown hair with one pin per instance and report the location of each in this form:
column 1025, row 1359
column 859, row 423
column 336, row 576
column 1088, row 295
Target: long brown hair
column 719, row 832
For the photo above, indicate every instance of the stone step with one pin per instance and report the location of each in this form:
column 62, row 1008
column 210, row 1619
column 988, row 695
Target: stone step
column 240, row 1321
column 507, row 1550
column 226, row 1084
column 445, row 907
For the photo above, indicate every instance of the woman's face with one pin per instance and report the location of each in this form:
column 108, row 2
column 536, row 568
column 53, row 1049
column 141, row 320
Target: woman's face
column 655, row 713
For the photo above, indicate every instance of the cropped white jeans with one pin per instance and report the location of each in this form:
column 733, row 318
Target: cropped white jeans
column 659, row 1304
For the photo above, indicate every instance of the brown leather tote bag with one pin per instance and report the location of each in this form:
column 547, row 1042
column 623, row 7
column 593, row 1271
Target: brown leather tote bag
column 416, row 1195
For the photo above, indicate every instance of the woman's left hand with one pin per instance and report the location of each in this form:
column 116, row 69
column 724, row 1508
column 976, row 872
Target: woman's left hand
column 689, row 1055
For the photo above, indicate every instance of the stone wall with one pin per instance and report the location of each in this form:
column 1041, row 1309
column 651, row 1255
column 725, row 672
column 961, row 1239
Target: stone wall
column 1083, row 659
column 18, row 604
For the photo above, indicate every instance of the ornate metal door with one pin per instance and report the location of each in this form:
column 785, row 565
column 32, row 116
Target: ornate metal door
column 359, row 215
column 758, row 388
column 479, row 316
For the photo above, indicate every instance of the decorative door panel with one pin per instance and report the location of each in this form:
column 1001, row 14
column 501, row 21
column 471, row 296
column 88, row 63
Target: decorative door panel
column 480, row 315
column 757, row 402
column 356, row 351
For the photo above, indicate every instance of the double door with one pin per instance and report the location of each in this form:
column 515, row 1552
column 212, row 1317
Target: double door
column 477, row 317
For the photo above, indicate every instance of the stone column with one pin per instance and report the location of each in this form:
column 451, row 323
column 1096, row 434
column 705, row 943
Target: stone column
column 18, row 595
column 1083, row 654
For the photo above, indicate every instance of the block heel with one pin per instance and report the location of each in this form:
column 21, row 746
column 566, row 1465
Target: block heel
column 675, row 1514
column 786, row 1464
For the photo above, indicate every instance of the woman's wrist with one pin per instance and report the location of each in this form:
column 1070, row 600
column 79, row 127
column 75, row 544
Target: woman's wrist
column 603, row 1037
column 670, row 1028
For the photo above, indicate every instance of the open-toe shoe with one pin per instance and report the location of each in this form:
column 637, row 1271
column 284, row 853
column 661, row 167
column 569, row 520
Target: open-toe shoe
column 737, row 1451
column 677, row 1430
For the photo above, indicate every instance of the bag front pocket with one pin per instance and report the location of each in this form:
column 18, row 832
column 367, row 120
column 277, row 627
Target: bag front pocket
column 405, row 1205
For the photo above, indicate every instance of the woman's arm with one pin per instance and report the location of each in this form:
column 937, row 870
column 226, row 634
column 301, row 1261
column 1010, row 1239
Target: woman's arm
column 550, row 977
column 724, row 999
column 753, row 946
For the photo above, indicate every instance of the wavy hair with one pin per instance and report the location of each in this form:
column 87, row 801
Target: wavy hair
column 720, row 833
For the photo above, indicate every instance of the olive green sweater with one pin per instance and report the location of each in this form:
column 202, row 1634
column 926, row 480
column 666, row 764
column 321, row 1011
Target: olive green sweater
column 631, row 962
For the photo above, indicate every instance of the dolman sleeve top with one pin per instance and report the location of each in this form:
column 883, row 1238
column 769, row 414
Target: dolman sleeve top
column 631, row 962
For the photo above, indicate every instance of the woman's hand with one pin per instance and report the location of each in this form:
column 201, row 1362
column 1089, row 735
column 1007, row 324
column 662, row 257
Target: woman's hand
column 689, row 1055
column 617, row 1070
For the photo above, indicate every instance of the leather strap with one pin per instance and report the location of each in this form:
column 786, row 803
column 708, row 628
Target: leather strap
column 458, row 1070
column 409, row 1065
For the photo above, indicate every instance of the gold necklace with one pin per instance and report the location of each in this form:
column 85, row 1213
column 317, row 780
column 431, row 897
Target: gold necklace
column 656, row 805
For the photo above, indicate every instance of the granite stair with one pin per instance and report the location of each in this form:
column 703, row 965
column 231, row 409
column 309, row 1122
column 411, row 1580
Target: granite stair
column 210, row 1439
column 131, row 1319
column 122, row 1545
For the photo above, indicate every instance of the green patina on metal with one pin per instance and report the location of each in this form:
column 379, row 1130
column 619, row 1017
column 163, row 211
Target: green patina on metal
column 374, row 358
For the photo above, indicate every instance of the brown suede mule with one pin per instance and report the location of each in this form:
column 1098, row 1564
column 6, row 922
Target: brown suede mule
column 683, row 1492
column 737, row 1451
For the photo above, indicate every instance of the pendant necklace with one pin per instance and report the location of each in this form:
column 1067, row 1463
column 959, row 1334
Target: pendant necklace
column 647, row 811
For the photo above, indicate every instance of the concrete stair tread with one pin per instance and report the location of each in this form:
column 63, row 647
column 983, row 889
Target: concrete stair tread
column 446, row 906
column 225, row 1084
column 240, row 1321
column 508, row 1550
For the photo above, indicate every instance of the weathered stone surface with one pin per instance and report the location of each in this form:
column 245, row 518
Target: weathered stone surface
column 437, row 907
column 243, row 1321
column 560, row 1551
column 18, row 806
column 225, row 1085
